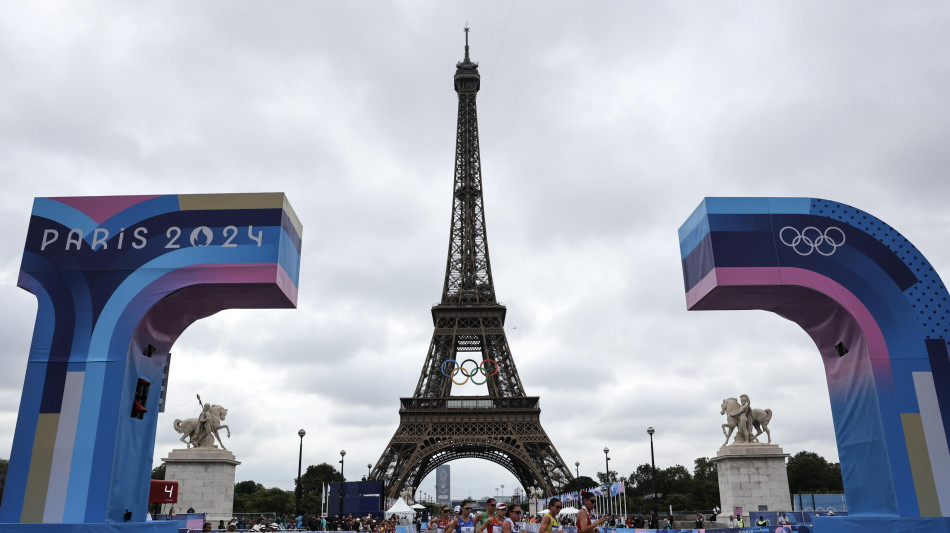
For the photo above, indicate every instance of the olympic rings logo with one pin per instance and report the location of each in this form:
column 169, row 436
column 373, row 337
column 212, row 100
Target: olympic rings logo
column 812, row 239
column 469, row 374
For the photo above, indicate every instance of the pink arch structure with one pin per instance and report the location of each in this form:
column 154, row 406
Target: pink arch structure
column 878, row 313
column 117, row 280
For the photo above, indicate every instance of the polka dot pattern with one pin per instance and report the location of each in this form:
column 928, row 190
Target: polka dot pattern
column 929, row 296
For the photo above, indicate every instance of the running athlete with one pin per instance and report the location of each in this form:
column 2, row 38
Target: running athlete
column 483, row 520
column 463, row 523
column 585, row 517
column 512, row 517
column 440, row 523
column 499, row 519
column 549, row 522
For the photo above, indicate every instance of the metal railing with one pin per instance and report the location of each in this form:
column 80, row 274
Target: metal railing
column 471, row 402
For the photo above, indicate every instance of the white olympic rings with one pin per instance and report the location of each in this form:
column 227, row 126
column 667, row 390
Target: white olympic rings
column 812, row 239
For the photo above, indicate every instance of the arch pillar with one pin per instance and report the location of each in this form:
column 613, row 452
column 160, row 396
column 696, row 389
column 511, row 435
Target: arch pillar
column 118, row 279
column 878, row 313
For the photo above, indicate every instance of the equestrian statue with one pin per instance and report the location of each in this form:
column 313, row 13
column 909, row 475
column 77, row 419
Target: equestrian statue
column 741, row 416
column 201, row 432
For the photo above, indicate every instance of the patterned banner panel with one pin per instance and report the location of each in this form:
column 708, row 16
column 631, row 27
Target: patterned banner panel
column 117, row 280
column 876, row 310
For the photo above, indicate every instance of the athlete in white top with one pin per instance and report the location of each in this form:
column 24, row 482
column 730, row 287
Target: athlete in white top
column 512, row 517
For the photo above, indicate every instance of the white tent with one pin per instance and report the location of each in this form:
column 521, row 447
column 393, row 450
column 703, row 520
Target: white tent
column 417, row 506
column 564, row 511
column 402, row 509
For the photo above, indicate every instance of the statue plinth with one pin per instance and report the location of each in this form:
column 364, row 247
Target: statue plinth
column 205, row 479
column 751, row 476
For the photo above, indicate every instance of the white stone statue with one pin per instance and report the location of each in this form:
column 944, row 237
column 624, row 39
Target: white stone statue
column 741, row 416
column 202, row 431
column 407, row 494
column 534, row 493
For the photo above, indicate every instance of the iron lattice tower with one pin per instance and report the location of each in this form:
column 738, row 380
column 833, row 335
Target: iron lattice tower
column 434, row 426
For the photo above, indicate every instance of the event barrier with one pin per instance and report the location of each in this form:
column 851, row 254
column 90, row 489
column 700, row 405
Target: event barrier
column 821, row 503
column 754, row 529
column 526, row 527
column 801, row 528
column 769, row 529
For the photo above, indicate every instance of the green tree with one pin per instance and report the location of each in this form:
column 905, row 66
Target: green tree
column 609, row 477
column 271, row 500
column 705, row 488
column 243, row 492
column 675, row 479
column 311, row 485
column 159, row 472
column 675, row 483
column 639, row 480
column 809, row 473
column 434, row 509
column 639, row 485
column 579, row 484
column 679, row 502
column 4, row 465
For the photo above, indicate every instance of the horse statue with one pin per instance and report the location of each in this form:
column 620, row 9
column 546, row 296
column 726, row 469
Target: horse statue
column 760, row 421
column 198, row 436
column 534, row 493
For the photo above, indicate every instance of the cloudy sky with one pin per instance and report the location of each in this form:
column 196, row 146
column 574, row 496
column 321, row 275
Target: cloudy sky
column 603, row 125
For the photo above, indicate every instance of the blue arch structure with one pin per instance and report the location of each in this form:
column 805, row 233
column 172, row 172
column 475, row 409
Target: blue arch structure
column 880, row 317
column 118, row 279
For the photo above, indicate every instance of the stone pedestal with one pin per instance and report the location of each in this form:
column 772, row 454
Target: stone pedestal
column 752, row 475
column 205, row 479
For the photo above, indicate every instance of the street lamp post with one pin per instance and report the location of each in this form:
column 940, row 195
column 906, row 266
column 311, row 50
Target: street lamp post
column 342, row 454
column 607, row 461
column 369, row 469
column 651, row 431
column 577, row 469
column 300, row 433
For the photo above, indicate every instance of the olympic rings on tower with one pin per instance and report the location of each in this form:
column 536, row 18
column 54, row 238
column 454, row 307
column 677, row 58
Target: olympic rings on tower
column 812, row 239
column 469, row 374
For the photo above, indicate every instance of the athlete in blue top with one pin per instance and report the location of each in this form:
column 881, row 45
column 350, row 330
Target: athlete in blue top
column 462, row 523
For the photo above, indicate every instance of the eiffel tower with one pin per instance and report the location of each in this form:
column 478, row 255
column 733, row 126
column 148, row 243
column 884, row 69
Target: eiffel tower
column 434, row 426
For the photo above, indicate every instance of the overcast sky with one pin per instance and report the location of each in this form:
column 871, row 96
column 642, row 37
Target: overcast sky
column 603, row 125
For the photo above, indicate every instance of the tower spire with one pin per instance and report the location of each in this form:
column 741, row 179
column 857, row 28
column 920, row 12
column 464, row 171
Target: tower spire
column 466, row 43
column 468, row 279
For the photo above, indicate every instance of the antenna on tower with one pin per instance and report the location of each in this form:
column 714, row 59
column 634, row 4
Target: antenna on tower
column 466, row 41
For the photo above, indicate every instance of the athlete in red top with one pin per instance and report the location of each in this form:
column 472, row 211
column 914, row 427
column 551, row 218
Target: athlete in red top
column 584, row 516
column 441, row 522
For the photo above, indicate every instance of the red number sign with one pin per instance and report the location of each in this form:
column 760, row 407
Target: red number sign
column 163, row 491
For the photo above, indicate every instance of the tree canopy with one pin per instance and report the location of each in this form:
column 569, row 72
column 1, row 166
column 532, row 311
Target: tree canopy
column 4, row 465
column 252, row 497
column 580, row 483
column 810, row 473
column 311, row 485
